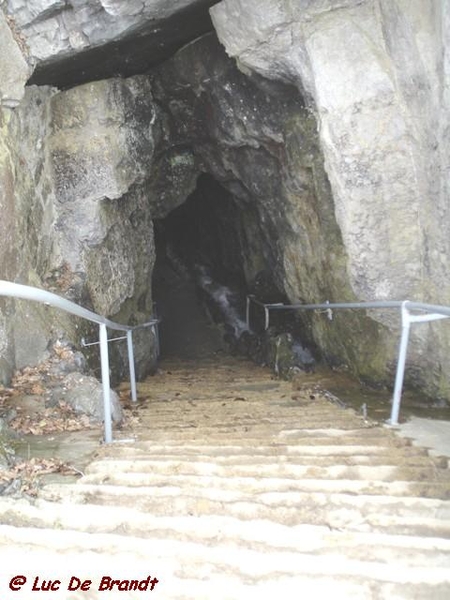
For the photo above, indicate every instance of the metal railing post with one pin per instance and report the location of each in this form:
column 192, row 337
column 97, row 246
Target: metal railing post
column 131, row 366
column 247, row 312
column 399, row 376
column 157, row 342
column 104, row 358
column 266, row 318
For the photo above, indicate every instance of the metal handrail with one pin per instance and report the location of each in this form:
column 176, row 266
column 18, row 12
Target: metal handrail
column 433, row 312
column 25, row 292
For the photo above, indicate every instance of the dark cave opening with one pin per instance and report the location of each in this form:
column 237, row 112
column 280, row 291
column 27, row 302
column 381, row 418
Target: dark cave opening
column 199, row 283
column 202, row 276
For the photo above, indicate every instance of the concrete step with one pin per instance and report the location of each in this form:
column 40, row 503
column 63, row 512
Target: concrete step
column 291, row 507
column 431, row 519
column 184, row 559
column 130, row 461
column 143, row 473
column 275, row 449
column 197, row 484
column 229, row 487
column 241, row 438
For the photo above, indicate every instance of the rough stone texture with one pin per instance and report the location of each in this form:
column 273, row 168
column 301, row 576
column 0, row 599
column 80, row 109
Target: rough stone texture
column 60, row 26
column 101, row 139
column 14, row 71
column 101, row 142
column 337, row 160
column 260, row 142
column 85, row 396
column 6, row 447
column 30, row 334
column 74, row 41
column 374, row 73
column 74, row 214
column 28, row 216
column 365, row 131
column 7, row 246
column 26, row 210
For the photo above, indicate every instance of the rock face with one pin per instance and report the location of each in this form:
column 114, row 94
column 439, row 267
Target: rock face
column 378, row 115
column 75, row 213
column 84, row 394
column 260, row 142
column 374, row 71
column 15, row 71
column 73, row 41
column 100, row 142
column 327, row 130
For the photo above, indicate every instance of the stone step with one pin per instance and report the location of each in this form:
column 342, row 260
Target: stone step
column 219, row 420
column 190, row 560
column 261, row 535
column 144, row 473
column 403, row 515
column 262, row 427
column 195, row 429
column 243, row 500
column 275, row 449
column 256, row 415
column 196, row 484
column 396, row 459
column 240, row 437
column 427, row 518
column 191, row 582
column 226, row 488
column 248, row 410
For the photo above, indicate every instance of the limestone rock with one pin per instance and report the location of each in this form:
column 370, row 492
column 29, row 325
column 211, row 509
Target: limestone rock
column 374, row 73
column 30, row 335
column 74, row 214
column 367, row 110
column 328, row 128
column 73, row 41
column 260, row 142
column 14, row 69
column 102, row 138
column 84, row 394
column 101, row 143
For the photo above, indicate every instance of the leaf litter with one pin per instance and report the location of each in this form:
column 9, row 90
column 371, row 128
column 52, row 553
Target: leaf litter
column 24, row 401
column 24, row 477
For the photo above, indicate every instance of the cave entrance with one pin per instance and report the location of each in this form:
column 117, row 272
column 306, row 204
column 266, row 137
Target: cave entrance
column 198, row 279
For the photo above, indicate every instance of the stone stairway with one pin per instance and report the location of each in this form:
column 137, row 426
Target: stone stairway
column 227, row 484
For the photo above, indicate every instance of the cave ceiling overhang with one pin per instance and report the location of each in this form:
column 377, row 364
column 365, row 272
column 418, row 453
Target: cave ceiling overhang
column 99, row 40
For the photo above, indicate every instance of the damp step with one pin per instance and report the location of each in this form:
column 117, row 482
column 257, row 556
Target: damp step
column 178, row 561
column 141, row 474
column 229, row 489
column 130, row 460
column 280, row 449
column 240, row 498
column 400, row 516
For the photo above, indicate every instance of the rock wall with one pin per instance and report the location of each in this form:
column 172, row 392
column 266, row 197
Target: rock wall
column 64, row 27
column 70, row 42
column 14, row 71
column 260, row 142
column 374, row 74
column 75, row 214
column 331, row 135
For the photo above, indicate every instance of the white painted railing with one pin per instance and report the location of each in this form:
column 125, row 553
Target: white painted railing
column 25, row 292
column 429, row 312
